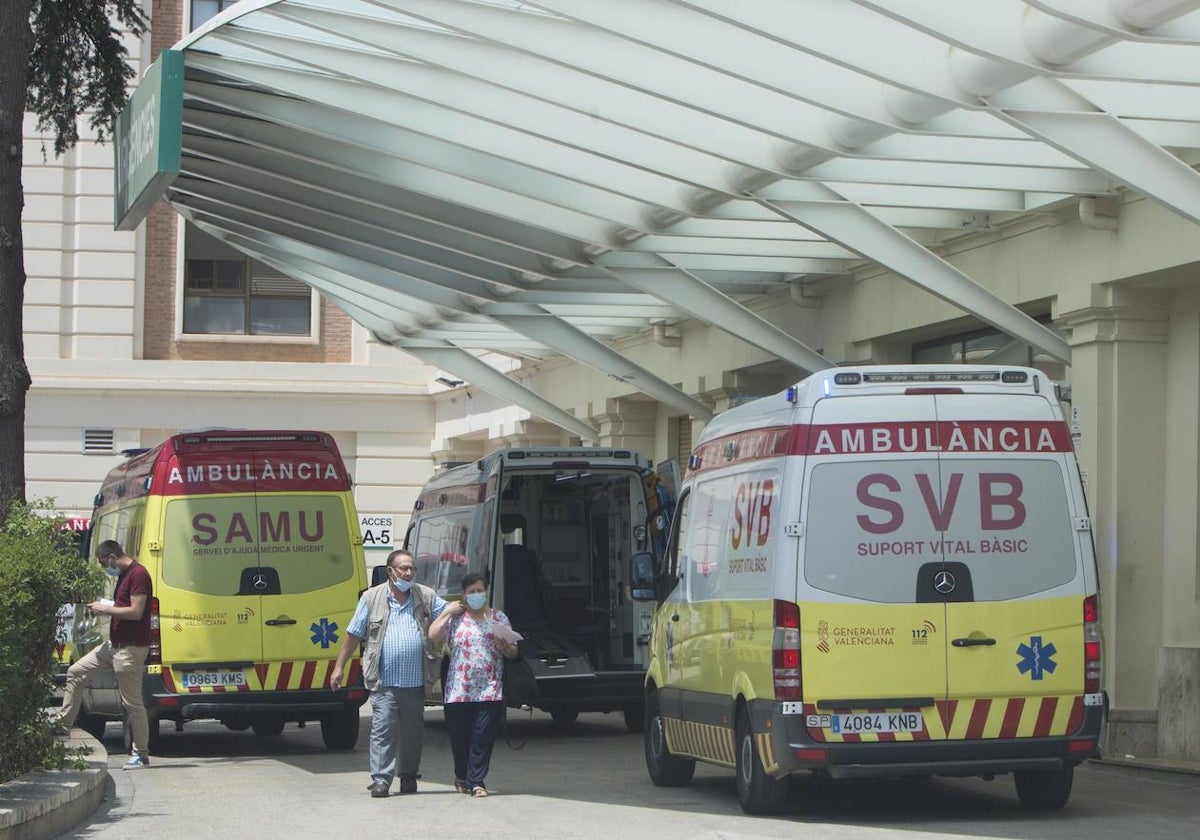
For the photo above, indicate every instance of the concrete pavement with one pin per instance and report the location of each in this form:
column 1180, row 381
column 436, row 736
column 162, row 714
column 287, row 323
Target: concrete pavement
column 46, row 803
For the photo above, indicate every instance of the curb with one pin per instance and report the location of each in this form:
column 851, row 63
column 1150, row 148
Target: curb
column 46, row 803
column 1165, row 765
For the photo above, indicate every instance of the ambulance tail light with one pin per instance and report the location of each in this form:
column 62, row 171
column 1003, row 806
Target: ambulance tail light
column 1091, row 645
column 154, row 657
column 785, row 651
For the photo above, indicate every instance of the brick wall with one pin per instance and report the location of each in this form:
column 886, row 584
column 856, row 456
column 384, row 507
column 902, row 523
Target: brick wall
column 162, row 264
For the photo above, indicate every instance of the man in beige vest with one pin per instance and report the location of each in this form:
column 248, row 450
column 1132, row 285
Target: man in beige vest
column 399, row 663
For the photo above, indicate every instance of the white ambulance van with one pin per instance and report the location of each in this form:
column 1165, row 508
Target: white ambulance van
column 554, row 531
column 882, row 571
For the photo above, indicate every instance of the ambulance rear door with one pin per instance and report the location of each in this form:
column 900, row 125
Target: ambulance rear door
column 307, row 564
column 211, row 615
column 873, row 655
column 1016, row 586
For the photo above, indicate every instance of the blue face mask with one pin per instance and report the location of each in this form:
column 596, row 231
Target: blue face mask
column 476, row 600
column 112, row 571
column 402, row 584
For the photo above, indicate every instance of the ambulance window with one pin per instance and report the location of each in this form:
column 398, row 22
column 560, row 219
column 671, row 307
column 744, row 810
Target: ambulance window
column 868, row 529
column 1011, row 525
column 711, row 503
column 441, row 550
column 679, row 537
column 209, row 541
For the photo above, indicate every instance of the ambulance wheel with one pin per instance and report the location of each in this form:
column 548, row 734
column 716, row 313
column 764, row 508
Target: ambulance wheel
column 758, row 793
column 635, row 717
column 665, row 770
column 339, row 731
column 267, row 727
column 93, row 725
column 1044, row 790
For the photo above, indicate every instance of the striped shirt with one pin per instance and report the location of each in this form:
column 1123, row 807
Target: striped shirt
column 401, row 661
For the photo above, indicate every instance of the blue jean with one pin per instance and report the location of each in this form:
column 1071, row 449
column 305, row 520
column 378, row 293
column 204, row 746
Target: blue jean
column 397, row 726
column 473, row 730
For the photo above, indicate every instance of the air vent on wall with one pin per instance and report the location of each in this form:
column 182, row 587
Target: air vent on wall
column 97, row 441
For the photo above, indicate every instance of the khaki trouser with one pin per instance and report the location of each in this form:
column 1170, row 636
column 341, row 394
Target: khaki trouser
column 128, row 664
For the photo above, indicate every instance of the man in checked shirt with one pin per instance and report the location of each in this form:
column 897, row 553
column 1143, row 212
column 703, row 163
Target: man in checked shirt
column 392, row 624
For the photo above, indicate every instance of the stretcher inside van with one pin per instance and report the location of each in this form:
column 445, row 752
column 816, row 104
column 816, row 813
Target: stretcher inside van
column 251, row 540
column 882, row 571
column 553, row 530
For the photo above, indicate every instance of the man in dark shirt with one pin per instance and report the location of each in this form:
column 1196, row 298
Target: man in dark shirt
column 125, row 651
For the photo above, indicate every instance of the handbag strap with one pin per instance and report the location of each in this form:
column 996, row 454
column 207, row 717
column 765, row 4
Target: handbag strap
column 508, row 738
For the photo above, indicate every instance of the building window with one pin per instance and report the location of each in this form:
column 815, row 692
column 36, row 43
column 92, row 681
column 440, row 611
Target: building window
column 988, row 347
column 202, row 10
column 226, row 293
column 243, row 297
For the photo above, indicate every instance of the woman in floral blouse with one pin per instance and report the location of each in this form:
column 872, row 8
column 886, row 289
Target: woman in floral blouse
column 479, row 639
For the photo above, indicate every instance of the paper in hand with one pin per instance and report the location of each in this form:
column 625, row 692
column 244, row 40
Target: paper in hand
column 506, row 634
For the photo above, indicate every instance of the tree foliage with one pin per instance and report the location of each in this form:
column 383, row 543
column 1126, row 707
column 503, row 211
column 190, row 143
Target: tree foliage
column 78, row 65
column 40, row 570
column 62, row 60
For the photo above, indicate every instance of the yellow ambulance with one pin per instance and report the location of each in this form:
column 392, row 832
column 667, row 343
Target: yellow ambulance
column 879, row 572
column 251, row 539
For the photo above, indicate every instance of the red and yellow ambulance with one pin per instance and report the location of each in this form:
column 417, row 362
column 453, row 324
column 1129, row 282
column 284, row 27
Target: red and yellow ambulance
column 882, row 571
column 252, row 541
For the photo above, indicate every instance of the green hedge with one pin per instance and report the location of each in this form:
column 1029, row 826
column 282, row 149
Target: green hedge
column 40, row 570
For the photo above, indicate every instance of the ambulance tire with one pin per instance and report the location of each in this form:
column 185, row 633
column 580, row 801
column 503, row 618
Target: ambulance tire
column 93, row 725
column 665, row 770
column 1044, row 790
column 339, row 730
column 758, row 793
column 267, row 727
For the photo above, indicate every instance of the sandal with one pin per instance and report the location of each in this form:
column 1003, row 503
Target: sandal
column 479, row 791
column 461, row 786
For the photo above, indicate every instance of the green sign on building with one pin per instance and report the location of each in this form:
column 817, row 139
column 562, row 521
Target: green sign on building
column 149, row 141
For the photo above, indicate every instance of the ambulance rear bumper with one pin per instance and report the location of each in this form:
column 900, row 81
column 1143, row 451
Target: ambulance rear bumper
column 290, row 705
column 795, row 750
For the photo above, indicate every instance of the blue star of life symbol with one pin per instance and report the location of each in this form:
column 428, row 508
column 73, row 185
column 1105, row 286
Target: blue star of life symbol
column 325, row 633
column 1036, row 657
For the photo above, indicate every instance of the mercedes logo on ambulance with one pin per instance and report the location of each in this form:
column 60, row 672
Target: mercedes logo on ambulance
column 943, row 582
column 259, row 581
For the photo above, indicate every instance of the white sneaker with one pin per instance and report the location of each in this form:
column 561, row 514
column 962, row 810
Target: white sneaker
column 136, row 762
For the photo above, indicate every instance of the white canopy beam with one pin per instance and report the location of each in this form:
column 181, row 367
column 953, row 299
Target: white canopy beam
column 687, row 292
column 859, row 231
column 470, row 369
column 553, row 332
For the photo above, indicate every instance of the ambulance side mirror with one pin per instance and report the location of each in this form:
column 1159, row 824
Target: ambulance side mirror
column 642, row 577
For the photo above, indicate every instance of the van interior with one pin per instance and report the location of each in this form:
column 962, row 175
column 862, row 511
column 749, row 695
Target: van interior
column 567, row 537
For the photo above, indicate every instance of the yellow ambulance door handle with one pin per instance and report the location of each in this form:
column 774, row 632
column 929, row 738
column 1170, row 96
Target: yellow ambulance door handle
column 275, row 622
column 972, row 642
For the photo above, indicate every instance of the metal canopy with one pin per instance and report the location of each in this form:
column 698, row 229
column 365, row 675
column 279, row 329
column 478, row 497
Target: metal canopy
column 540, row 178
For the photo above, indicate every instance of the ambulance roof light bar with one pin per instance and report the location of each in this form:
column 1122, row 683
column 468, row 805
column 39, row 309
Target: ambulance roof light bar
column 904, row 377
